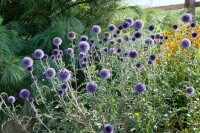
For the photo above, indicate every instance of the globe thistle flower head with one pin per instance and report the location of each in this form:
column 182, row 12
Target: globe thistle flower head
column 45, row 57
column 95, row 54
column 107, row 35
column 83, row 38
column 119, row 50
column 138, row 65
column 186, row 18
column 152, row 57
column 190, row 90
column 26, row 62
column 70, row 51
column 133, row 54
column 49, row 73
column 57, row 41
column 85, row 59
column 194, row 34
column 64, row 86
column 92, row 41
column 137, row 34
column 38, row 54
column 111, row 27
column 193, row 24
column 29, row 69
column 121, row 59
column 120, row 27
column 71, row 35
column 52, row 57
column 166, row 37
column 125, row 54
column 91, row 87
column 114, row 35
column 130, row 21
column 11, row 99
column 127, row 37
column 152, row 36
column 150, row 62
column 84, row 46
column 175, row 26
column 118, row 31
column 161, row 43
column 96, row 29
column 112, row 42
column 151, row 27
column 100, row 42
column 112, row 50
column 138, row 25
column 24, row 93
column 104, row 73
column 61, row 52
column 185, row 43
column 56, row 52
column 108, row 128
column 83, row 65
column 140, row 87
column 149, row 41
column 81, row 55
column 64, row 75
column 133, row 39
column 60, row 92
column 125, row 25
column 158, row 35
column 31, row 100
column 119, row 40
column 105, row 39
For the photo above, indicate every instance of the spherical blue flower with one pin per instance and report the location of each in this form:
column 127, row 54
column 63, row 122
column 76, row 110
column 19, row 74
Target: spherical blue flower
column 112, row 42
column 104, row 73
column 130, row 21
column 193, row 24
column 64, row 75
column 95, row 54
column 114, row 35
column 152, row 57
column 92, row 41
column 105, row 39
column 127, row 37
column 57, row 41
column 166, row 37
column 152, row 36
column 83, row 46
column 118, row 31
column 11, row 99
column 133, row 39
column 157, row 36
column 24, row 94
column 31, row 100
column 91, row 87
column 125, row 24
column 96, row 29
column 60, row 92
column 108, row 128
column 138, row 65
column 119, row 40
column 133, row 54
column 149, row 41
column 137, row 34
column 64, row 86
column 52, row 57
column 119, row 50
column 111, row 27
column 81, row 55
column 185, row 43
column 71, row 35
column 29, row 69
column 186, row 18
column 125, row 54
column 175, row 26
column 100, row 42
column 112, row 50
column 83, row 65
column 190, row 90
column 56, row 52
column 45, row 57
column 121, row 59
column 140, row 88
column 50, row 73
column 151, row 27
column 61, row 52
column 194, row 34
column 26, row 62
column 150, row 62
column 85, row 59
column 83, row 38
column 120, row 27
column 107, row 35
column 70, row 51
column 38, row 54
column 138, row 25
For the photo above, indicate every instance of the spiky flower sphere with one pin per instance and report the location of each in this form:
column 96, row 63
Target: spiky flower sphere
column 31, row 100
column 158, row 35
column 133, row 39
column 107, row 35
column 71, row 35
column 24, row 93
column 120, row 27
column 26, row 62
column 38, row 54
column 100, row 42
column 140, row 88
column 83, row 46
column 91, row 87
column 104, row 73
column 118, row 31
column 175, row 26
column 185, row 43
column 152, row 57
column 112, row 50
column 125, row 54
column 194, row 34
column 130, row 21
column 61, row 92
column 83, row 65
column 56, row 52
column 186, row 18
column 64, row 86
column 81, row 55
column 125, row 25
column 114, row 35
column 151, row 27
column 70, row 51
column 108, row 128
column 133, row 54
column 190, row 90
column 64, row 75
column 57, row 41
column 193, row 24
column 137, row 34
column 52, row 57
column 11, row 99
column 83, row 38
column 105, row 39
column 111, row 27
column 150, row 62
column 149, row 41
column 138, row 25
column 96, row 29
column 119, row 50
column 29, row 69
column 45, row 57
column 50, row 73
column 112, row 42
column 119, row 40
column 121, row 59
column 138, row 65
column 127, row 37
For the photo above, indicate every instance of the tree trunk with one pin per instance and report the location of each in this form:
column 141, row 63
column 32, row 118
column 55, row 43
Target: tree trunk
column 190, row 4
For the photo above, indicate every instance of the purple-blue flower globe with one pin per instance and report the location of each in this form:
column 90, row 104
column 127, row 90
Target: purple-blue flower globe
column 151, row 27
column 149, row 41
column 38, row 54
column 50, row 73
column 108, row 128
column 31, row 100
column 71, row 35
column 104, row 73
column 57, row 41
column 64, row 86
column 186, row 18
column 137, row 34
column 111, row 27
column 11, row 99
column 81, row 55
column 26, row 62
column 61, row 92
column 190, row 90
column 29, row 69
column 45, row 57
column 96, row 29
column 112, row 50
column 130, row 21
column 138, row 65
column 64, row 75
column 91, row 87
column 83, row 38
column 133, row 54
column 125, row 24
column 24, row 93
column 152, row 57
column 140, row 88
column 185, row 43
column 84, row 46
column 70, row 51
column 138, row 25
